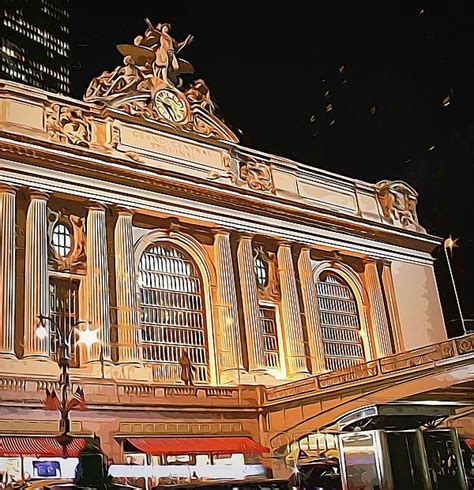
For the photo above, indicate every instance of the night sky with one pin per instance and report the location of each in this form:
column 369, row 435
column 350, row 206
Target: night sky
column 374, row 92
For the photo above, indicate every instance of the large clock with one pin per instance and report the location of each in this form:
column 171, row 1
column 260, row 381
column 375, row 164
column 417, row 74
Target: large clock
column 170, row 106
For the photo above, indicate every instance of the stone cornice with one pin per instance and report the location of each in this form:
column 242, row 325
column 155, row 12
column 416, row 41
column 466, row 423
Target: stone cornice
column 139, row 176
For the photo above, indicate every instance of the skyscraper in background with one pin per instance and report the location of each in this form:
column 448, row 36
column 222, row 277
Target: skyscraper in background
column 35, row 46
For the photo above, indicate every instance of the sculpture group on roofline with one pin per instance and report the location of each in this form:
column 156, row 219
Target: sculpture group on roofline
column 150, row 85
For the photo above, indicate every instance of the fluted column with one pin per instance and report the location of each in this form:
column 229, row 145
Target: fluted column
column 36, row 275
column 7, row 270
column 389, row 288
column 126, row 286
column 377, row 311
column 248, row 285
column 98, row 282
column 292, row 326
column 228, row 337
column 310, row 302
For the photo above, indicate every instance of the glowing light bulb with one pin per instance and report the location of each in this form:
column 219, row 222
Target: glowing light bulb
column 88, row 337
column 41, row 332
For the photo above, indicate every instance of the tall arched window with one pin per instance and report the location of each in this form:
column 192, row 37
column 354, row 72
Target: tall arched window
column 172, row 312
column 340, row 323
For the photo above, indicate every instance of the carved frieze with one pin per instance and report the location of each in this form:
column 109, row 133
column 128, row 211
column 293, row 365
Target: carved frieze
column 398, row 201
column 65, row 124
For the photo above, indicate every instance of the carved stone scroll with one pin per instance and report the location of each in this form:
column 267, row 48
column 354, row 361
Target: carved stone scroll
column 66, row 124
column 398, row 201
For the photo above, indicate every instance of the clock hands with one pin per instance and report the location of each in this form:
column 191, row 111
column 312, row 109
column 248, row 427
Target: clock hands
column 169, row 110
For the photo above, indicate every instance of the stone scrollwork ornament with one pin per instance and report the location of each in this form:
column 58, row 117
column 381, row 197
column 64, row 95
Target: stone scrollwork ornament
column 68, row 125
column 150, row 85
column 256, row 174
column 398, row 202
column 246, row 170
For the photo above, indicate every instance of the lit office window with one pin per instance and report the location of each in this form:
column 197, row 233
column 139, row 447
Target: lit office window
column 340, row 322
column 172, row 313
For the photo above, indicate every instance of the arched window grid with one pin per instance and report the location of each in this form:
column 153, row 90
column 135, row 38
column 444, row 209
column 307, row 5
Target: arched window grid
column 340, row 322
column 172, row 312
column 62, row 240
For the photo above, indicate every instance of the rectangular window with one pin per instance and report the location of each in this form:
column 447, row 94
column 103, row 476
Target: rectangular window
column 269, row 336
column 64, row 304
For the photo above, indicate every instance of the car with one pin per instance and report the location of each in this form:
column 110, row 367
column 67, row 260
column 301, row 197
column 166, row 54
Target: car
column 317, row 474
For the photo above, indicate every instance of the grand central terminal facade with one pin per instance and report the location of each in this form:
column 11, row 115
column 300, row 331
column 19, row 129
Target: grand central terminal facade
column 232, row 293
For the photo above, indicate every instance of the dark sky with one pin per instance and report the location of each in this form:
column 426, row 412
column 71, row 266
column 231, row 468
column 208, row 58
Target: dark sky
column 399, row 79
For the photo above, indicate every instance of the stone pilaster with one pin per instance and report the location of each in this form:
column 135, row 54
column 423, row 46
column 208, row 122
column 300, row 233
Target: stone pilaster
column 229, row 345
column 36, row 276
column 98, row 282
column 389, row 288
column 377, row 311
column 292, row 326
column 7, row 270
column 310, row 302
column 126, row 287
column 248, row 285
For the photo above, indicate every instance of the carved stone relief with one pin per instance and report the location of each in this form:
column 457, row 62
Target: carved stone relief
column 398, row 201
column 246, row 170
column 150, row 85
column 66, row 124
column 76, row 259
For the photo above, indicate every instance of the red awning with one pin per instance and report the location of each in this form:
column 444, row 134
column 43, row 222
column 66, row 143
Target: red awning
column 157, row 446
column 38, row 446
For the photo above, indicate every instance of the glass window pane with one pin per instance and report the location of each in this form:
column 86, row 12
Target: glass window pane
column 172, row 314
column 340, row 322
column 62, row 240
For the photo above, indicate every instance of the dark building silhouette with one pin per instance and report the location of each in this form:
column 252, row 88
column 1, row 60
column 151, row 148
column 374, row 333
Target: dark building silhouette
column 35, row 46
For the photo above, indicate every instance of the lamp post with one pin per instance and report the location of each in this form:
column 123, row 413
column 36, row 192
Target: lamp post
column 449, row 243
column 64, row 337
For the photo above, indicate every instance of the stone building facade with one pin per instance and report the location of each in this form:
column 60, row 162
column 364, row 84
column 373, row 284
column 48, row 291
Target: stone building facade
column 166, row 238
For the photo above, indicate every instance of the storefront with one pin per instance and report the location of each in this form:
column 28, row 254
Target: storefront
column 172, row 460
column 37, row 457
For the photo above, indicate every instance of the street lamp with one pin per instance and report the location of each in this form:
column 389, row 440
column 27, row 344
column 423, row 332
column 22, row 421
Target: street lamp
column 449, row 244
column 64, row 336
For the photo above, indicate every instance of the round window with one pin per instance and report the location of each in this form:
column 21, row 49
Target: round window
column 62, row 241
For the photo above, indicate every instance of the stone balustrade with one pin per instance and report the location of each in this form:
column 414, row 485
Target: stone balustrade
column 109, row 392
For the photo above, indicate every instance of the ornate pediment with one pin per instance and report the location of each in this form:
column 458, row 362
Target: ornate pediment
column 149, row 85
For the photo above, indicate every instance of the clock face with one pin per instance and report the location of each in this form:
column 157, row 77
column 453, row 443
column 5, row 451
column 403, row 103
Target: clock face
column 170, row 106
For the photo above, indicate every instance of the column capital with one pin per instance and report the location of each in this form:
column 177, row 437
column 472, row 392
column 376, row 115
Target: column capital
column 284, row 243
column 8, row 188
column 124, row 211
column 244, row 235
column 96, row 206
column 39, row 195
column 221, row 231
